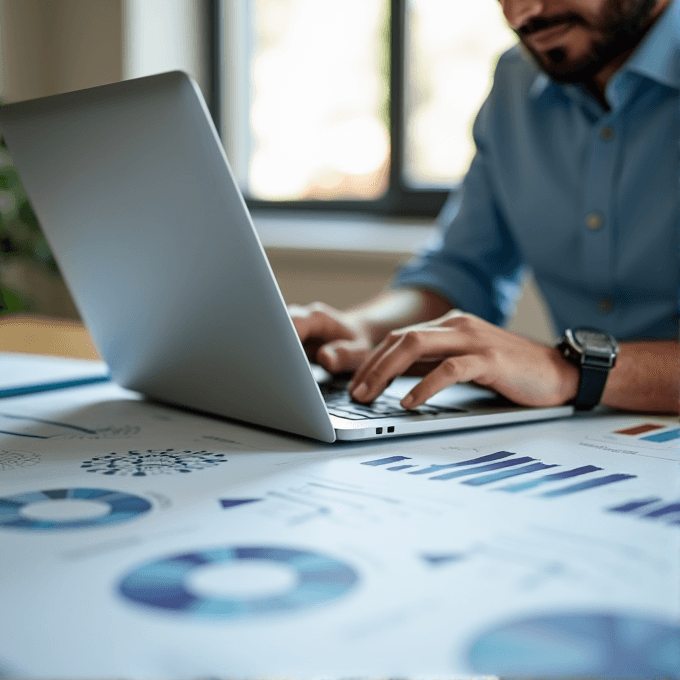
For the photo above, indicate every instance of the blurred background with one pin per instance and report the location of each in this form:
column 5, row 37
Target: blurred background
column 346, row 121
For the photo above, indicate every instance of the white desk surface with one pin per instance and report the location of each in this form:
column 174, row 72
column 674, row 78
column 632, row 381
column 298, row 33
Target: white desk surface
column 138, row 541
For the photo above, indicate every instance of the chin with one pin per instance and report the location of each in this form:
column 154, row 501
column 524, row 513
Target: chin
column 563, row 69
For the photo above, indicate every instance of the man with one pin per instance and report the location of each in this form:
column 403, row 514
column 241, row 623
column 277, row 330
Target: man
column 576, row 176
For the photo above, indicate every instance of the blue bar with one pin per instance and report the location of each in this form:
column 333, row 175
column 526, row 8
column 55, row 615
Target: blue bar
column 49, row 422
column 473, row 461
column 667, row 510
column 584, row 486
column 439, row 559
column 386, row 461
column 662, row 436
column 496, row 477
column 633, row 505
column 23, row 434
column 396, row 468
column 484, row 468
column 57, row 385
column 555, row 477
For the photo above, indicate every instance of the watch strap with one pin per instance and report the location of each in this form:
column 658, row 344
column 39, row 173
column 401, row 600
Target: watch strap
column 593, row 361
column 591, row 387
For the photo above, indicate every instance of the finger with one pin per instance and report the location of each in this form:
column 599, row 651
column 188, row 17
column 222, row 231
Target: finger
column 318, row 321
column 300, row 318
column 342, row 356
column 370, row 360
column 452, row 370
column 421, row 368
column 410, row 346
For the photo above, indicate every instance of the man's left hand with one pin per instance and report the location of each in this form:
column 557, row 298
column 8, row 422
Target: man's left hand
column 461, row 347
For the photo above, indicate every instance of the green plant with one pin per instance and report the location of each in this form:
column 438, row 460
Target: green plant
column 21, row 239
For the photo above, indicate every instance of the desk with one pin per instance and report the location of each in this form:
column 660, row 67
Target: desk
column 44, row 335
column 143, row 541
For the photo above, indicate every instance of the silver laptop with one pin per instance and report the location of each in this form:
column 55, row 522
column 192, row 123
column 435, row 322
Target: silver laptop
column 134, row 192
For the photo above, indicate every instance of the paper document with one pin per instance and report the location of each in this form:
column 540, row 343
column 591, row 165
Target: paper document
column 28, row 373
column 143, row 541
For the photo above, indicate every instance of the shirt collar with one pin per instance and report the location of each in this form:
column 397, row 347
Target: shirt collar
column 657, row 57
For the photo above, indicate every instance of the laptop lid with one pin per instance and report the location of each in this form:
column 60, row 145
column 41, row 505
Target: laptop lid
column 138, row 203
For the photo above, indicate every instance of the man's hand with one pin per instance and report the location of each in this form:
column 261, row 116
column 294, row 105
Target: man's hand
column 464, row 348
column 341, row 341
column 335, row 340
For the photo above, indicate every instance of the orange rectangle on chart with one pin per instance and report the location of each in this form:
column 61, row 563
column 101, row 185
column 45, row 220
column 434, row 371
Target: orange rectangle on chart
column 640, row 429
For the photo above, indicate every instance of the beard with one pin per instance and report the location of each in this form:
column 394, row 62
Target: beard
column 622, row 25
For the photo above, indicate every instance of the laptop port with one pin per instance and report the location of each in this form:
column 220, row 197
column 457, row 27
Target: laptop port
column 378, row 430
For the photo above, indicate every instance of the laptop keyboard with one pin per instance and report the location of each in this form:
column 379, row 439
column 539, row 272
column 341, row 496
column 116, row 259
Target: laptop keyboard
column 339, row 403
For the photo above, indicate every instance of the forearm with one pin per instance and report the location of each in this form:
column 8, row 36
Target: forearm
column 645, row 378
column 398, row 308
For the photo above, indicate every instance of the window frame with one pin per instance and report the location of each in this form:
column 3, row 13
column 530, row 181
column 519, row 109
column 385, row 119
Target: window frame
column 400, row 199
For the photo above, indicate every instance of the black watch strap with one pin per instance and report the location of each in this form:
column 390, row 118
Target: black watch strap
column 591, row 387
column 594, row 352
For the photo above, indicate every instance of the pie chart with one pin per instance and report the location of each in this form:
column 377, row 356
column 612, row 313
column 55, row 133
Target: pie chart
column 303, row 580
column 75, row 508
column 605, row 645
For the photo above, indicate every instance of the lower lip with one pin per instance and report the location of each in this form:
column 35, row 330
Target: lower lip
column 549, row 37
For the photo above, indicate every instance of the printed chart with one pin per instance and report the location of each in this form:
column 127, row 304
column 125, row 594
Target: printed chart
column 153, row 462
column 646, row 437
column 542, row 549
column 503, row 465
column 163, row 584
column 30, row 427
column 579, row 645
column 54, row 509
column 651, row 509
column 10, row 460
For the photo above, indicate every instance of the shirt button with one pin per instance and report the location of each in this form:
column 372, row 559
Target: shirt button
column 594, row 221
column 606, row 133
column 605, row 305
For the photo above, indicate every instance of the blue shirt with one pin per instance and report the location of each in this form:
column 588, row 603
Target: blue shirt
column 586, row 198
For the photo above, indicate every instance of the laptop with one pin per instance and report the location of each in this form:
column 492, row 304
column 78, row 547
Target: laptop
column 139, row 206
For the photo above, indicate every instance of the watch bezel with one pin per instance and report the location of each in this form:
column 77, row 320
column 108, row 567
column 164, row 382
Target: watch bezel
column 590, row 354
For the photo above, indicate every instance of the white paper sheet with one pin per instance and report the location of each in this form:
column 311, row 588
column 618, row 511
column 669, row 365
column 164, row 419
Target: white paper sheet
column 25, row 373
column 196, row 547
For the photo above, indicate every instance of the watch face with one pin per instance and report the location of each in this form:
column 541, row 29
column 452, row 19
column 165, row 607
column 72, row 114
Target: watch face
column 594, row 341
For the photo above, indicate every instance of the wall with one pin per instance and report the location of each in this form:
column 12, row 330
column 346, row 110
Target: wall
column 53, row 46
column 47, row 47
column 50, row 47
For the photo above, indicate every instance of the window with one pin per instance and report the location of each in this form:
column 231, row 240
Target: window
column 352, row 104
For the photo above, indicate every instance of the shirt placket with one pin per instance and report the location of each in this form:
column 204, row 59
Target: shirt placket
column 597, row 214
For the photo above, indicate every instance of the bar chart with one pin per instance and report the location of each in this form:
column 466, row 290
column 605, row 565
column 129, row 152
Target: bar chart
column 489, row 469
column 651, row 508
column 658, row 437
column 662, row 437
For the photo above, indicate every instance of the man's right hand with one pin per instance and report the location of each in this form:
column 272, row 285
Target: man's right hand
column 337, row 341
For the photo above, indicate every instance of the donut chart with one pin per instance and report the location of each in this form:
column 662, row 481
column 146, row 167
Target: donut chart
column 162, row 584
column 122, row 507
column 581, row 645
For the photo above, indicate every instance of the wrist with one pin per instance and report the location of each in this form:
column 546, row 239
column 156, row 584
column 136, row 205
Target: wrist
column 593, row 353
column 569, row 377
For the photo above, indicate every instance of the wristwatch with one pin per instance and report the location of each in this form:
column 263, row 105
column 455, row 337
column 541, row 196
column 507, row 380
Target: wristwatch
column 594, row 352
